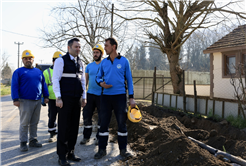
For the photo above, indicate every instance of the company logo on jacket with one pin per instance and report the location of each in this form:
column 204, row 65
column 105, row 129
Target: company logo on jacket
column 119, row 66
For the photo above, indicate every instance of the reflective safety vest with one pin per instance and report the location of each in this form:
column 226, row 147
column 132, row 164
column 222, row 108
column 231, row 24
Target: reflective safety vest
column 48, row 73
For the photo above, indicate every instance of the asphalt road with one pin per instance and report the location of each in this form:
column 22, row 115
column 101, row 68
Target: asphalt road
column 46, row 155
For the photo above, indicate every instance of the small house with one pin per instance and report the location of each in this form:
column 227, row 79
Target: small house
column 225, row 54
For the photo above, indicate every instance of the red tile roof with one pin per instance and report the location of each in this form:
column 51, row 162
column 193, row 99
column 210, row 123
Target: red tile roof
column 234, row 40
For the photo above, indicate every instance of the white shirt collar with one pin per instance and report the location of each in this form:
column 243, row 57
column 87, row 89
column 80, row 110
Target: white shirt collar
column 71, row 57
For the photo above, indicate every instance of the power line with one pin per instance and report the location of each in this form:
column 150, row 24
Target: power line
column 20, row 34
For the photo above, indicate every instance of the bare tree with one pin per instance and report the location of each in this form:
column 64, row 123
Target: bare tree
column 4, row 60
column 238, row 82
column 6, row 72
column 87, row 20
column 170, row 23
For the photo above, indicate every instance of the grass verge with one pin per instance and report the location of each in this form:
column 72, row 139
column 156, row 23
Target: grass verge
column 5, row 90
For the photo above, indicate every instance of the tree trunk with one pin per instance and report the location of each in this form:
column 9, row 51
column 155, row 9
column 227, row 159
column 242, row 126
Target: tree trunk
column 175, row 72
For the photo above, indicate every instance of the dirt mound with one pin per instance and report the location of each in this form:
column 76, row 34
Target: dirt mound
column 161, row 138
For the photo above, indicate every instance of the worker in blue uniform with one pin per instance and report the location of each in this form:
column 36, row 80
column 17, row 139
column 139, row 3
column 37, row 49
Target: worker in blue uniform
column 93, row 94
column 27, row 86
column 113, row 75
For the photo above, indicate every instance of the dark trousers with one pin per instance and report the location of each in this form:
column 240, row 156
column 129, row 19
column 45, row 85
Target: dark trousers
column 52, row 112
column 118, row 104
column 93, row 101
column 68, row 125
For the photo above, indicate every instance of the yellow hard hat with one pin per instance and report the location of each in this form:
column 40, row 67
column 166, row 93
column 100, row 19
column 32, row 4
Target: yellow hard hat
column 98, row 47
column 27, row 53
column 57, row 54
column 134, row 114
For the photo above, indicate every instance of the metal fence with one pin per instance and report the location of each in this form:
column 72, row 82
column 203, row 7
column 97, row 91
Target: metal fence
column 143, row 86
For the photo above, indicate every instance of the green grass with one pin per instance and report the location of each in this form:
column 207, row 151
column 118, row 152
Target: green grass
column 214, row 117
column 5, row 90
column 238, row 122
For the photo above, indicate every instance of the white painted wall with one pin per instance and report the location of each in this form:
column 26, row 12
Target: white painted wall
column 222, row 86
column 230, row 108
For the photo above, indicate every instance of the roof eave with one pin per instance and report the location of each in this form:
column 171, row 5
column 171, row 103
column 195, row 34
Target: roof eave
column 225, row 49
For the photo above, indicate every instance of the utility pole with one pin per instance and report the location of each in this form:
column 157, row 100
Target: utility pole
column 112, row 20
column 19, row 51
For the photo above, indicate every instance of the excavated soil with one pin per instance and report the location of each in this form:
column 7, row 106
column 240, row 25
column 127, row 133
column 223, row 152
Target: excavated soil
column 161, row 138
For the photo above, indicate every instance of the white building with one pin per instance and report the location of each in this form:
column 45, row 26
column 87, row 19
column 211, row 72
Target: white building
column 225, row 54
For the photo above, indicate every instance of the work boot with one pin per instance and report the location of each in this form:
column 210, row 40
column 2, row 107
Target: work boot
column 124, row 153
column 84, row 141
column 63, row 162
column 71, row 156
column 23, row 147
column 100, row 153
column 35, row 143
column 52, row 137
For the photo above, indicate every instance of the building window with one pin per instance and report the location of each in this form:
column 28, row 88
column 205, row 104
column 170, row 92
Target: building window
column 230, row 62
column 231, row 65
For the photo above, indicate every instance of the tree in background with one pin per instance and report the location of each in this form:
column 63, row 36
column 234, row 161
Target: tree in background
column 87, row 20
column 170, row 23
column 142, row 63
column 157, row 59
column 6, row 72
column 192, row 56
column 131, row 56
column 4, row 60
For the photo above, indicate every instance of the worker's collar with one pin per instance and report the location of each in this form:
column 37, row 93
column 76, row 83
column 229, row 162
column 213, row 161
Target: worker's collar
column 118, row 57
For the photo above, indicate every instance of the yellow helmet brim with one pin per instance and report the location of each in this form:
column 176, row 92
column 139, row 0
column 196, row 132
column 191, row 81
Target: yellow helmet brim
column 134, row 114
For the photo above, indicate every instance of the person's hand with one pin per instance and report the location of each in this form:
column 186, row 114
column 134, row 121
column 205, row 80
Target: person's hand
column 16, row 103
column 104, row 85
column 132, row 102
column 84, row 101
column 59, row 103
column 46, row 100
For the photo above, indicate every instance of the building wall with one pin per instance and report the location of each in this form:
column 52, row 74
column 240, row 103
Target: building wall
column 222, row 86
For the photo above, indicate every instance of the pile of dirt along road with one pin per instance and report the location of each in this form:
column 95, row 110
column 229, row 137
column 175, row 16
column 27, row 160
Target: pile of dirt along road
column 161, row 138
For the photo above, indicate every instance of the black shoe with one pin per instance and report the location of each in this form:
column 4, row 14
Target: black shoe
column 63, row 162
column 124, row 153
column 23, row 147
column 35, row 143
column 72, row 157
column 52, row 136
column 100, row 153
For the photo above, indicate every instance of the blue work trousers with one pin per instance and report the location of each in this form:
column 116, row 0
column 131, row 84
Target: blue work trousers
column 119, row 105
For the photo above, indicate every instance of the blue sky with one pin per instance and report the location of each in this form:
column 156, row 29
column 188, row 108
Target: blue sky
column 25, row 17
